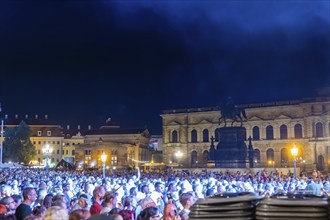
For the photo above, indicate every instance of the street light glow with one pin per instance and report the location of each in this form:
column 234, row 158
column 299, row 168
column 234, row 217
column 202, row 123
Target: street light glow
column 179, row 154
column 294, row 151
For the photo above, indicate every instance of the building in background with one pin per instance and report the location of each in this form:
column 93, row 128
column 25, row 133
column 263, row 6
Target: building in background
column 83, row 147
column 274, row 128
column 124, row 147
column 44, row 132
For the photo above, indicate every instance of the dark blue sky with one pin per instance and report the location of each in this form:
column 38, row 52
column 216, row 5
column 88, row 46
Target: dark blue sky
column 81, row 62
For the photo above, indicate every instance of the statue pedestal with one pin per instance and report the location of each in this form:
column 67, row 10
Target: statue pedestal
column 231, row 150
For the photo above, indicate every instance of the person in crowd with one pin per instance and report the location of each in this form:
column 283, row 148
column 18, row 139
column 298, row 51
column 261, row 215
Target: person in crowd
column 98, row 195
column 115, row 217
column 39, row 211
column 187, row 200
column 10, row 204
column 56, row 212
column 83, row 203
column 127, row 214
column 110, row 201
column 129, row 203
column 24, row 209
column 171, row 212
column 47, row 202
column 59, row 200
column 150, row 213
column 79, row 214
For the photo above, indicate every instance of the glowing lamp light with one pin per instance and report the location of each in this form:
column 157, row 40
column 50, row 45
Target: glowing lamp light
column 103, row 157
column 294, row 151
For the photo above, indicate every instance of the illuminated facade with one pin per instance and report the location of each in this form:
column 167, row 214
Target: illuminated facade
column 43, row 133
column 83, row 147
column 123, row 147
column 274, row 128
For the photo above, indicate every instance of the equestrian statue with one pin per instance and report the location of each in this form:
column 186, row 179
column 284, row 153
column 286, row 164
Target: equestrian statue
column 232, row 112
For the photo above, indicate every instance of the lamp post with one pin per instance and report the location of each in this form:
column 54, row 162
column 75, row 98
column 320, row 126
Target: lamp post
column 47, row 151
column 103, row 158
column 294, row 152
column 178, row 155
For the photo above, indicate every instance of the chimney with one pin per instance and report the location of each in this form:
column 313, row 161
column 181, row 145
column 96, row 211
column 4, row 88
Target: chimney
column 26, row 116
column 36, row 117
column 68, row 127
column 89, row 127
column 46, row 116
column 78, row 127
column 16, row 116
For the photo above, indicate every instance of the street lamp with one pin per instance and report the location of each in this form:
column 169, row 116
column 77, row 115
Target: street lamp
column 103, row 158
column 294, row 152
column 178, row 155
column 271, row 162
column 47, row 151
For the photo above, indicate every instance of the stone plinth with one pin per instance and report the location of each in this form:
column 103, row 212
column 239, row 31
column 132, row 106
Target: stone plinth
column 231, row 150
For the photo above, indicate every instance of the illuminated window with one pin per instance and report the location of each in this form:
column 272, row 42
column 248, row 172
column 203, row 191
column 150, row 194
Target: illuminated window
column 114, row 160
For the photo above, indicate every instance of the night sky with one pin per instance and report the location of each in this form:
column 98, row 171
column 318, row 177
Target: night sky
column 82, row 62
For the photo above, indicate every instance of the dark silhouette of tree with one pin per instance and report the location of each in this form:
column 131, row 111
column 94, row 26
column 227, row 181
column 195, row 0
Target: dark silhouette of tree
column 17, row 146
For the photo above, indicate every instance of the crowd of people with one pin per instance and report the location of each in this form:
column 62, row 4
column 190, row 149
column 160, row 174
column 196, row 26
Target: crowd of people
column 33, row 194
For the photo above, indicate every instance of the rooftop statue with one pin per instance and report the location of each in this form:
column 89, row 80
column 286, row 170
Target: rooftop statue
column 233, row 112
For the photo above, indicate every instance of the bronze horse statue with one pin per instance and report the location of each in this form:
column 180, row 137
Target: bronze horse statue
column 236, row 114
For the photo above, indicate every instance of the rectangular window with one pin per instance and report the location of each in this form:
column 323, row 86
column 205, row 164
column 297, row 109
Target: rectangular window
column 39, row 142
column 54, row 142
column 66, row 152
column 58, row 151
column 34, row 142
column 38, row 151
column 39, row 133
column 49, row 133
column 114, row 160
column 58, row 142
column 62, row 152
column 73, row 152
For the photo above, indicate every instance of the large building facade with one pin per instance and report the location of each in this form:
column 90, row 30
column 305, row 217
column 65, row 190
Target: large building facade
column 124, row 147
column 274, row 128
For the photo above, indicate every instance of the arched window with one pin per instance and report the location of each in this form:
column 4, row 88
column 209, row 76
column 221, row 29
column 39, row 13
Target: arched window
column 283, row 132
column 217, row 134
column 205, row 135
column 193, row 157
column 205, row 157
column 194, row 136
column 320, row 162
column 298, row 131
column 319, row 129
column 256, row 155
column 270, row 154
column 284, row 155
column 174, row 137
column 269, row 132
column 255, row 133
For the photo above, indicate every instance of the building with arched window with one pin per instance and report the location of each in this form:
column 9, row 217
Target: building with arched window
column 274, row 128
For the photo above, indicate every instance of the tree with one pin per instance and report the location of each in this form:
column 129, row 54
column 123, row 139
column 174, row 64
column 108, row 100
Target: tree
column 17, row 145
